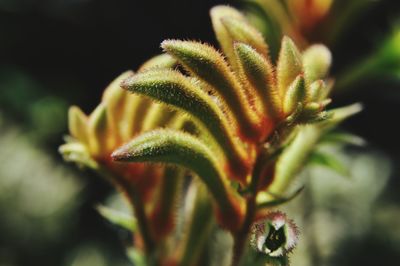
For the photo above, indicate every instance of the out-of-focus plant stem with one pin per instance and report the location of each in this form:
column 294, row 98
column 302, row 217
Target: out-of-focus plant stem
column 199, row 228
column 138, row 208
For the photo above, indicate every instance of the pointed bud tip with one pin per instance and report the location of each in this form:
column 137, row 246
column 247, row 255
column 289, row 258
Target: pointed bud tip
column 121, row 154
column 167, row 44
column 127, row 82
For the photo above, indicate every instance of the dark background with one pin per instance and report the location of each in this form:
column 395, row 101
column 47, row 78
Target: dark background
column 54, row 53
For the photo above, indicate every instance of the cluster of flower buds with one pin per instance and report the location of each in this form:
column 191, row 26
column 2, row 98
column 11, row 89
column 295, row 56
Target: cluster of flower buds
column 223, row 118
column 237, row 104
column 119, row 118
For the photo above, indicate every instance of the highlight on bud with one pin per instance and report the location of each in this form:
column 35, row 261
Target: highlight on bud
column 223, row 36
column 241, row 31
column 158, row 61
column 275, row 235
column 296, row 94
column 317, row 60
column 259, row 73
column 174, row 147
column 289, row 65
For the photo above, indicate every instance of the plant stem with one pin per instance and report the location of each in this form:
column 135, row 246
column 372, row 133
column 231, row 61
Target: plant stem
column 198, row 227
column 240, row 238
column 138, row 207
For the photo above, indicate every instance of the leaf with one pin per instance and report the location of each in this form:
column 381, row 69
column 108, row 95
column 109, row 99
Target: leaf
column 338, row 115
column 174, row 147
column 118, row 218
column 136, row 256
column 289, row 65
column 258, row 71
column 337, row 137
column 171, row 87
column 264, row 199
column 329, row 161
column 205, row 63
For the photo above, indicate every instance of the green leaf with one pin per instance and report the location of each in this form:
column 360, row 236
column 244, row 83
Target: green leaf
column 259, row 73
column 338, row 115
column 118, row 218
column 207, row 64
column 175, row 147
column 289, row 65
column 136, row 257
column 337, row 137
column 172, row 88
column 264, row 199
column 329, row 161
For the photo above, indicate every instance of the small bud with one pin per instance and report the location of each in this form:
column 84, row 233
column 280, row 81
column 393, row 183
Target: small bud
column 317, row 60
column 241, row 31
column 295, row 94
column 99, row 141
column 158, row 61
column 135, row 111
column 275, row 235
column 260, row 75
column 317, row 90
column 289, row 65
column 312, row 113
column 222, row 34
column 115, row 98
column 77, row 124
column 157, row 116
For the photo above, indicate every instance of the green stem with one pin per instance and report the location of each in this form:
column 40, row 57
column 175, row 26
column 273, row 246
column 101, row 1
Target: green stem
column 199, row 228
column 138, row 207
column 240, row 238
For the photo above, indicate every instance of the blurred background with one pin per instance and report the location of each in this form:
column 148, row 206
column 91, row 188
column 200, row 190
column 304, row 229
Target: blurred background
column 55, row 53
